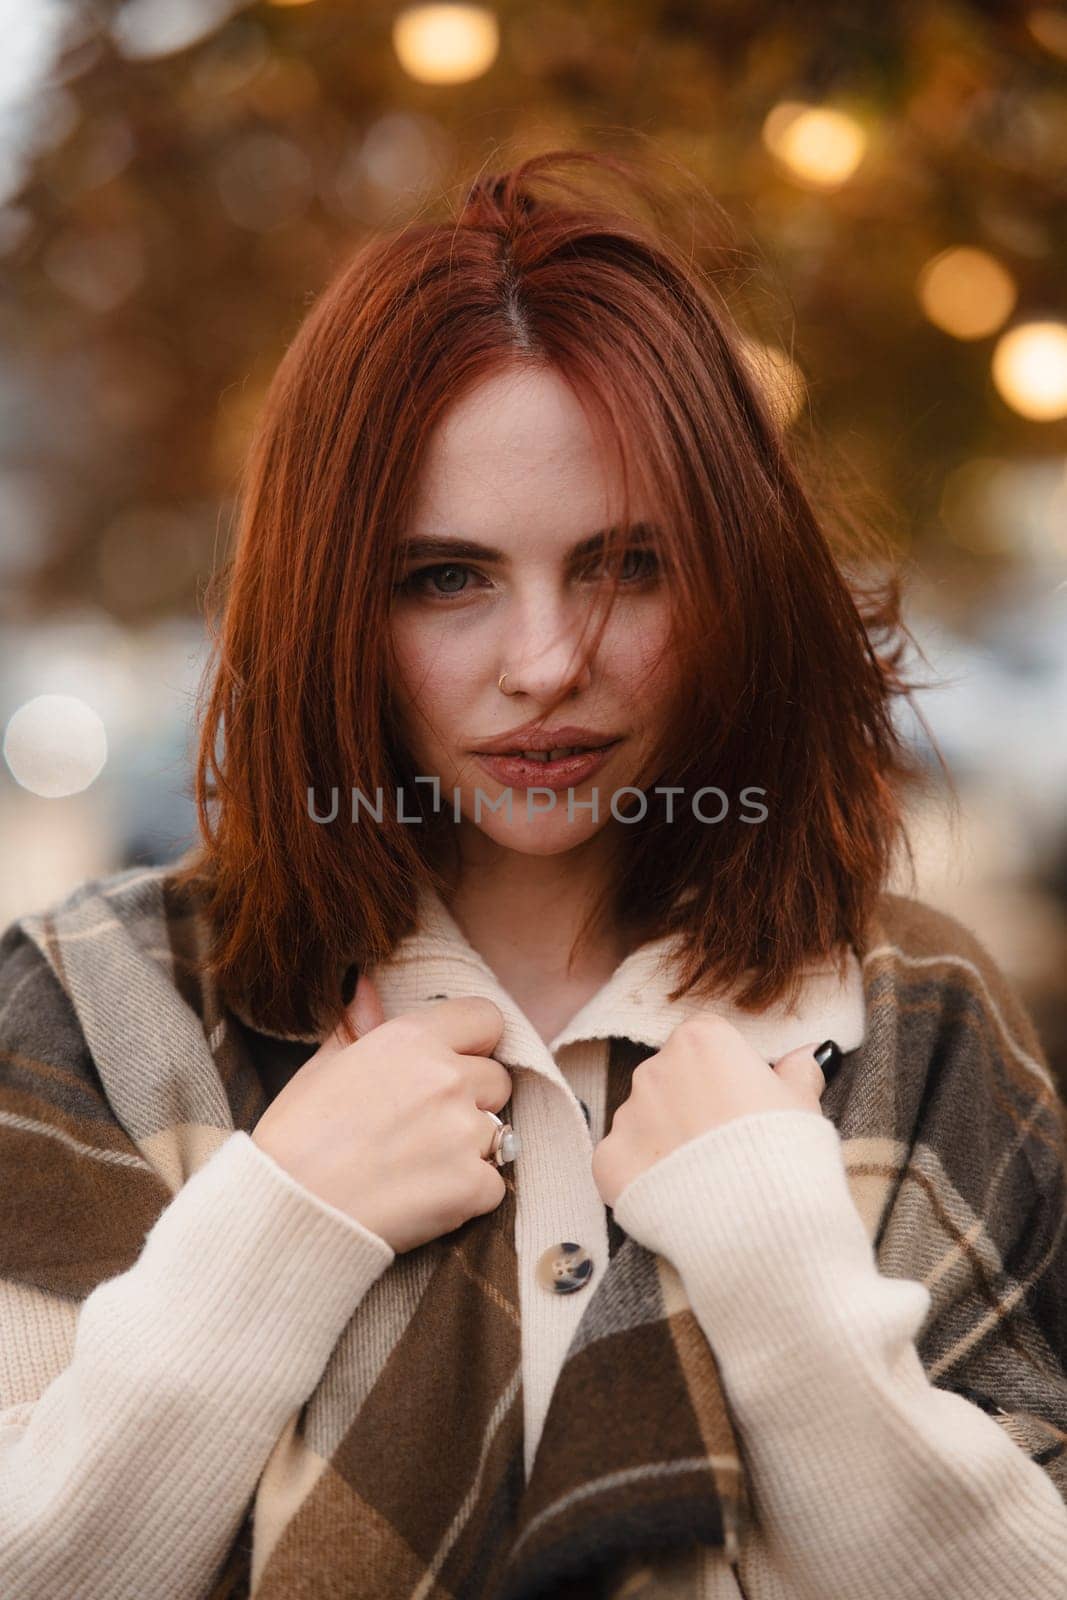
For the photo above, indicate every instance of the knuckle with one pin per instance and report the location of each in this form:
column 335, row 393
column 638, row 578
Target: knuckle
column 702, row 1026
column 486, row 1012
column 603, row 1161
column 484, row 1185
column 444, row 1078
column 458, row 1126
column 646, row 1076
column 693, row 1031
column 407, row 1029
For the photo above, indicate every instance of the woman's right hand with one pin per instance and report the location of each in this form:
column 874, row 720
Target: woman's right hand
column 392, row 1129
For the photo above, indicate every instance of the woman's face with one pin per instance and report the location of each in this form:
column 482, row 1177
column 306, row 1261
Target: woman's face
column 514, row 467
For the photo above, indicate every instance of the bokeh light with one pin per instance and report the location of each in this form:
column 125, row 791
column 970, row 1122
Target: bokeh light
column 264, row 181
column 818, row 144
column 55, row 745
column 966, row 292
column 100, row 270
column 147, row 30
column 33, row 115
column 1030, row 369
column 446, row 43
column 996, row 505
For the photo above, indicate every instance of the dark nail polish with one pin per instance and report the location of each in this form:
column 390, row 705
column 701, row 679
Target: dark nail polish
column 828, row 1055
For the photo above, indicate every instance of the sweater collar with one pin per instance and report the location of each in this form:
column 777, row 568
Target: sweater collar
column 437, row 959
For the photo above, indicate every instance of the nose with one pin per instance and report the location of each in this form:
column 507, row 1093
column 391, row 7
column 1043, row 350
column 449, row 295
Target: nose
column 539, row 648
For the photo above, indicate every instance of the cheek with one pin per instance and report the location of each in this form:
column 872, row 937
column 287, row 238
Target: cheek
column 413, row 683
column 433, row 677
column 642, row 659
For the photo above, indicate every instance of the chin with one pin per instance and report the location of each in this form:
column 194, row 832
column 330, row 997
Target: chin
column 538, row 840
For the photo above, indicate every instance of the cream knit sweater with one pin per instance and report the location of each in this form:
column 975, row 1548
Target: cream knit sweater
column 234, row 1340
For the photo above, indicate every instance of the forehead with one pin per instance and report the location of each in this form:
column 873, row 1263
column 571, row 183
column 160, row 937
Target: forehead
column 516, row 453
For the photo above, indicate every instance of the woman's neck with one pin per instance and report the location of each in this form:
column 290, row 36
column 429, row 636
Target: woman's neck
column 522, row 914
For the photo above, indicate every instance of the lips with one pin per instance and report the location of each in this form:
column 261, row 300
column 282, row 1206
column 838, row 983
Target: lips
column 535, row 737
column 520, row 772
column 555, row 754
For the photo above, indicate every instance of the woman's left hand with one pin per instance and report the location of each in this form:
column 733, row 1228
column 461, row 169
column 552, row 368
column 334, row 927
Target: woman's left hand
column 706, row 1074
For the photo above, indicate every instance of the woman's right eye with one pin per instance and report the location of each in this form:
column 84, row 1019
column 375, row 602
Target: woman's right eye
column 412, row 583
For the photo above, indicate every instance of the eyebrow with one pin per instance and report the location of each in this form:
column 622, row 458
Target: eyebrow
column 457, row 547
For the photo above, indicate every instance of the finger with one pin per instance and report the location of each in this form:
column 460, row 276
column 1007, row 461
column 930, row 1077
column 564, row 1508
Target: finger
column 469, row 1023
column 487, row 1130
column 800, row 1068
column 366, row 1009
column 363, row 1013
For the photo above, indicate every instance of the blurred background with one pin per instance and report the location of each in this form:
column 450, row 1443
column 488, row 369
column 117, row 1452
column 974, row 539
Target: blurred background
column 178, row 179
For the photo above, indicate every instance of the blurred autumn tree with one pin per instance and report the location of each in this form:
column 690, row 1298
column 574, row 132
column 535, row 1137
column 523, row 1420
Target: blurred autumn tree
column 196, row 170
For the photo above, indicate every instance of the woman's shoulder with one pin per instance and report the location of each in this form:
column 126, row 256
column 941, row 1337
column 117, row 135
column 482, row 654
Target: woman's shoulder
column 144, row 901
column 56, row 962
column 952, row 1003
column 920, row 929
column 102, row 1075
column 126, row 893
column 922, row 944
column 105, row 1021
column 118, row 937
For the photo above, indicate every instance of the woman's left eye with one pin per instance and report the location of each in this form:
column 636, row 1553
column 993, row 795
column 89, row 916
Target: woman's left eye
column 648, row 568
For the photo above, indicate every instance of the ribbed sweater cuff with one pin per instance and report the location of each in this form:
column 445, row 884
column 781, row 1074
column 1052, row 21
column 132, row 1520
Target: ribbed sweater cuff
column 758, row 1218
column 259, row 1277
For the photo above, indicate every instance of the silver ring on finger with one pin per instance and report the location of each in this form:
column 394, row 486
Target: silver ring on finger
column 505, row 1144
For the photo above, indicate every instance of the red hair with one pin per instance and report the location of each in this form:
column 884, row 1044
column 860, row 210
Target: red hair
column 780, row 683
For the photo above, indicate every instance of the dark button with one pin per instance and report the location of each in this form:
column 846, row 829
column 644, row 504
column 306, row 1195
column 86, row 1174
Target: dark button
column 437, row 997
column 564, row 1267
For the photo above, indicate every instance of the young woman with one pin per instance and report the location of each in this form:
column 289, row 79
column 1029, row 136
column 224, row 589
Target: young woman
column 525, row 1150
